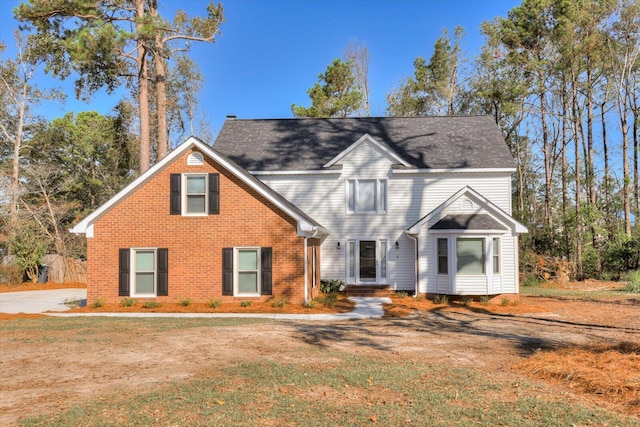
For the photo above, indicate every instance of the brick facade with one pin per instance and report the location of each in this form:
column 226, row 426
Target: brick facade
column 246, row 219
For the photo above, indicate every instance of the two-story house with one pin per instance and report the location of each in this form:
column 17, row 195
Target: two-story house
column 414, row 204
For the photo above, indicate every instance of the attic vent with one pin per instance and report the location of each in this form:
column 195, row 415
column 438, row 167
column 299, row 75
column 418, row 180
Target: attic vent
column 466, row 204
column 195, row 159
column 366, row 150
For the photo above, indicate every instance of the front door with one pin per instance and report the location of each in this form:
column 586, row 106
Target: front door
column 368, row 261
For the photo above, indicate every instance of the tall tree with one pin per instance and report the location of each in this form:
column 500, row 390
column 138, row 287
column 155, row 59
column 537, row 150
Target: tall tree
column 357, row 55
column 434, row 87
column 95, row 40
column 336, row 93
column 17, row 121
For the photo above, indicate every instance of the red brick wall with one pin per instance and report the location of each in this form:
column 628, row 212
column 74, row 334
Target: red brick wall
column 195, row 243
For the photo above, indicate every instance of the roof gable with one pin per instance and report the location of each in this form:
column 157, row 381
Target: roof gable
column 497, row 215
column 455, row 142
column 305, row 223
column 366, row 138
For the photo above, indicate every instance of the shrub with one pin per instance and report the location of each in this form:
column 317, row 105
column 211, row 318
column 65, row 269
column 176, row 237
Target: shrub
column 531, row 279
column 484, row 300
column 184, row 302
column 127, row 302
column 98, row 302
column 440, row 299
column 467, row 301
column 401, row 294
column 505, row 302
column 152, row 304
column 328, row 300
column 329, row 286
column 633, row 282
column 28, row 248
column 279, row 303
column 245, row 303
column 71, row 302
column 10, row 274
column 214, row 302
column 309, row 304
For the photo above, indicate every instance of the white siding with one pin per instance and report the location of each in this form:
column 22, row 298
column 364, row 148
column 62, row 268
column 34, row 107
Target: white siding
column 409, row 198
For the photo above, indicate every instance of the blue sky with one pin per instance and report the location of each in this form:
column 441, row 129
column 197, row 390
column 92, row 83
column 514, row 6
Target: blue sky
column 271, row 52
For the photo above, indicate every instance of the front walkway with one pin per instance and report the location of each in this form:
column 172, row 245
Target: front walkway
column 51, row 303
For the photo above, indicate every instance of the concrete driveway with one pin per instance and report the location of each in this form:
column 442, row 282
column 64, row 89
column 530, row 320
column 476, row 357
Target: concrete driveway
column 40, row 301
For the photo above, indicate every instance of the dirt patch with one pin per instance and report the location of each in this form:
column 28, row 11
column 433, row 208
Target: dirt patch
column 45, row 370
column 28, row 286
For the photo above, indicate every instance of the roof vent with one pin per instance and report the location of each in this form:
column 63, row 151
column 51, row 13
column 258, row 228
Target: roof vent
column 195, row 159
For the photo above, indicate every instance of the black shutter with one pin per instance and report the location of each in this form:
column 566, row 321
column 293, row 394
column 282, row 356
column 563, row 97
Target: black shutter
column 214, row 193
column 227, row 271
column 265, row 261
column 124, row 277
column 163, row 272
column 175, row 196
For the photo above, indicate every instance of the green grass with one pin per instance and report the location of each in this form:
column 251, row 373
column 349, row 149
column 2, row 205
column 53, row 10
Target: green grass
column 567, row 293
column 351, row 390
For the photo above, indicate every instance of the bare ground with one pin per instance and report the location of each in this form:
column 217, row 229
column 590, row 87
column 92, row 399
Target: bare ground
column 45, row 372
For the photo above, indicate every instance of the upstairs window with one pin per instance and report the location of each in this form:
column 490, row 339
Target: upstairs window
column 366, row 196
column 195, row 195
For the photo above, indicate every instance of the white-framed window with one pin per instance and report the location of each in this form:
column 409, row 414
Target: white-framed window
column 247, row 272
column 367, row 261
column 366, row 196
column 143, row 273
column 443, row 256
column 195, row 194
column 496, row 255
column 470, row 256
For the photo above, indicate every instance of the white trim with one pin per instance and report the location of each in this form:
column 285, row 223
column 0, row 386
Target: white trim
column 184, row 194
column 236, row 271
column 355, row 279
column 304, row 227
column 453, row 170
column 369, row 138
column 303, row 172
column 494, row 211
column 133, row 271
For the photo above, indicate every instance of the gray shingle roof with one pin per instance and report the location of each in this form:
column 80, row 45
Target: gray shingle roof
column 468, row 222
column 308, row 144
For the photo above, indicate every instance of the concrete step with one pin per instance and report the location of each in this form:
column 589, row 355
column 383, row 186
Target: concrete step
column 378, row 291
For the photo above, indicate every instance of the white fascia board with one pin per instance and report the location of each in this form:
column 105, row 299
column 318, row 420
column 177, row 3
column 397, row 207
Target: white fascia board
column 454, row 170
column 367, row 137
column 307, row 172
column 495, row 211
column 83, row 226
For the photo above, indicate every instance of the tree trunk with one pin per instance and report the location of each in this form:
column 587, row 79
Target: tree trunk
column 578, row 166
column 161, row 91
column 564, row 167
column 15, row 163
column 546, row 151
column 143, row 91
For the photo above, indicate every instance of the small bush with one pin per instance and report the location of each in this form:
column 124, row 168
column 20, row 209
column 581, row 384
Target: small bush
column 11, row 274
column 328, row 300
column 152, row 304
column 98, row 302
column 309, row 304
column 279, row 303
column 401, row 294
column 71, row 302
column 127, row 302
column 329, row 286
column 633, row 282
column 184, row 302
column 441, row 299
column 245, row 303
column 530, row 279
column 484, row 300
column 214, row 302
column 505, row 302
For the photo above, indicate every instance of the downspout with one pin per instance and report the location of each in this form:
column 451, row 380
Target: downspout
column 417, row 265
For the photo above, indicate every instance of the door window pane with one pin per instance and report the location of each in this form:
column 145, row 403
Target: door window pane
column 367, row 260
column 352, row 259
column 383, row 259
column 470, row 256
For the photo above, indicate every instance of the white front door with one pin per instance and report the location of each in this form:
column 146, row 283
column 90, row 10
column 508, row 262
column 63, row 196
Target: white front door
column 367, row 261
